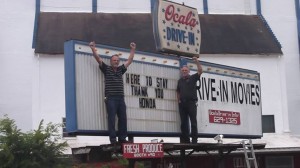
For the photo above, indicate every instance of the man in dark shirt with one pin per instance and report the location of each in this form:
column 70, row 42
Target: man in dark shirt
column 114, row 92
column 187, row 101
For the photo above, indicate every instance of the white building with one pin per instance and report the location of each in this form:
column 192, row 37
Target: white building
column 32, row 84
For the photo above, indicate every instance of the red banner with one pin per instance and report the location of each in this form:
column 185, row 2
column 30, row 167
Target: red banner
column 224, row 117
column 143, row 150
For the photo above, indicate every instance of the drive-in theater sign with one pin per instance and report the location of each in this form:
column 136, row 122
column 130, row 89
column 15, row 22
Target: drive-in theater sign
column 229, row 98
column 176, row 28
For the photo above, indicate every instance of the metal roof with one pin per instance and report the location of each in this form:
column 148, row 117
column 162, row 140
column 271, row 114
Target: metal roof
column 221, row 34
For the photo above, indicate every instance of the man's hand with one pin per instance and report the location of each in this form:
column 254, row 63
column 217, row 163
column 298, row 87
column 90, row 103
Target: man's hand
column 195, row 59
column 92, row 45
column 132, row 45
column 130, row 58
column 199, row 67
column 95, row 54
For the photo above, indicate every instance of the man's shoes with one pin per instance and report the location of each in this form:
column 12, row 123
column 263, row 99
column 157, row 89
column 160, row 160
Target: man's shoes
column 194, row 141
column 124, row 141
column 113, row 142
column 185, row 141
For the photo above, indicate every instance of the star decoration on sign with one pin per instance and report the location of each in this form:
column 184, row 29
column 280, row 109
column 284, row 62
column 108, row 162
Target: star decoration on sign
column 178, row 9
column 178, row 46
column 163, row 10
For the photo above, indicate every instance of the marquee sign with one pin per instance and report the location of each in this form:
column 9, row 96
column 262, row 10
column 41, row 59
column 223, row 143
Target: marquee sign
column 176, row 28
column 229, row 98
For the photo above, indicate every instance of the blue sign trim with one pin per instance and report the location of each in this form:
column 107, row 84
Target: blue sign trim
column 70, row 88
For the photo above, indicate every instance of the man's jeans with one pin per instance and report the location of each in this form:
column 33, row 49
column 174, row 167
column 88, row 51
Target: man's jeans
column 188, row 111
column 115, row 105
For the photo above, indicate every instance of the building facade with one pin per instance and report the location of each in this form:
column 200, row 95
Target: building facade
column 32, row 84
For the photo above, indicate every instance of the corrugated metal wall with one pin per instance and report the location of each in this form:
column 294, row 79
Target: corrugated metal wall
column 165, row 117
column 91, row 112
column 89, row 94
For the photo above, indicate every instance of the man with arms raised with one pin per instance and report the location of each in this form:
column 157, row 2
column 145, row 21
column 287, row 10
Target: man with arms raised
column 114, row 92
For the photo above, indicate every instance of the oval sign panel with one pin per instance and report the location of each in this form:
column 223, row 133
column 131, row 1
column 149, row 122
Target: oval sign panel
column 176, row 28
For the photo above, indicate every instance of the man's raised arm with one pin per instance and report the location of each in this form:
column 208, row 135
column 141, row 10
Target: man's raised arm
column 95, row 54
column 199, row 67
column 130, row 58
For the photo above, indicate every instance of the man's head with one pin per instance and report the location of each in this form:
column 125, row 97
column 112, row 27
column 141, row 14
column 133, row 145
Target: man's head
column 185, row 71
column 114, row 61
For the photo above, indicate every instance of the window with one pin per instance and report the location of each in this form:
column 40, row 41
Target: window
column 268, row 124
column 279, row 162
column 239, row 162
